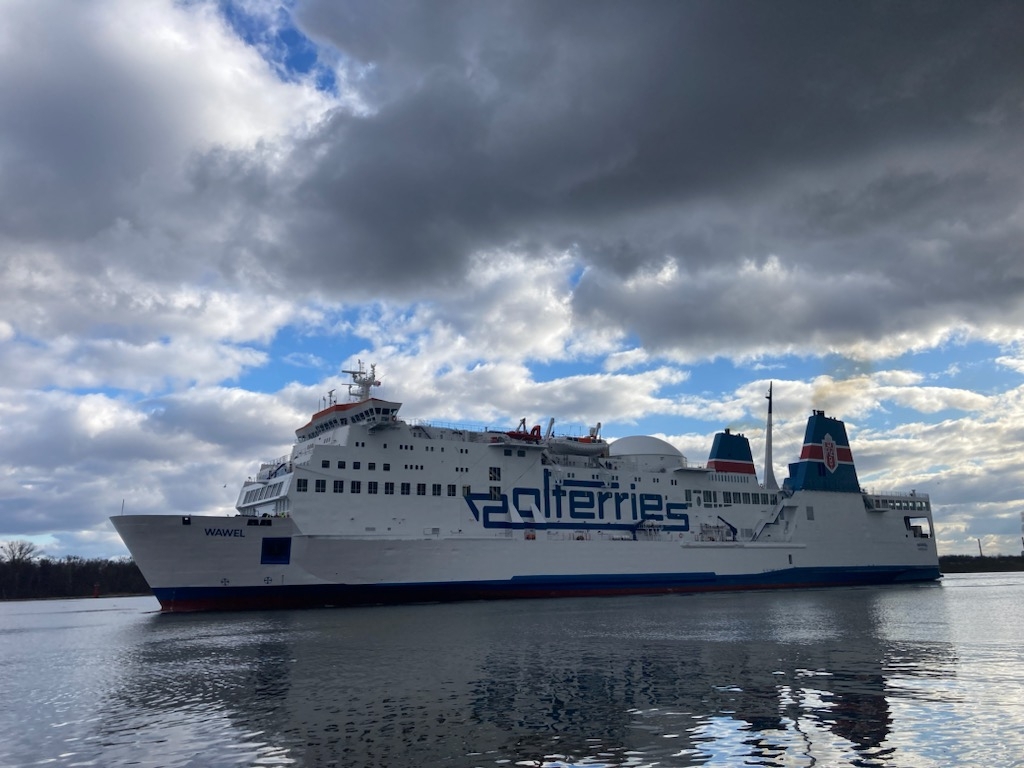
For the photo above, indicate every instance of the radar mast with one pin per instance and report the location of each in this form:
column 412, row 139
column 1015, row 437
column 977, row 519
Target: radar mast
column 362, row 382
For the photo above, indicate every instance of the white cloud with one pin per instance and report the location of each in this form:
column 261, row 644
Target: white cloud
column 524, row 218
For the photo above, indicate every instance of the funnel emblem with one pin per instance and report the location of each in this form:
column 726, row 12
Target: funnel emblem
column 829, row 454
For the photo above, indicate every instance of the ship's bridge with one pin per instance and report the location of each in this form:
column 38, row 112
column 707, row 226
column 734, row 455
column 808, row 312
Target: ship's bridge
column 372, row 413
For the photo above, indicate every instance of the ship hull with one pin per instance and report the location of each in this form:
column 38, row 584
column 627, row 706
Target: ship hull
column 221, row 564
column 191, row 599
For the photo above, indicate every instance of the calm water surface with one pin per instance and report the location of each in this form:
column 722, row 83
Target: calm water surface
column 916, row 676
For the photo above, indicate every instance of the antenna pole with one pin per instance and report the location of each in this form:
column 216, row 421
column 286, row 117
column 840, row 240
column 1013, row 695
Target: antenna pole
column 770, row 483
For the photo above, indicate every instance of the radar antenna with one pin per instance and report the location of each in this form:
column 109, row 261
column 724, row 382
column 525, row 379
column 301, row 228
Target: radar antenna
column 362, row 382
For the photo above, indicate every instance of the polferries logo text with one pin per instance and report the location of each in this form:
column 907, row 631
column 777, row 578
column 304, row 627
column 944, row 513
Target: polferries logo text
column 576, row 507
column 235, row 532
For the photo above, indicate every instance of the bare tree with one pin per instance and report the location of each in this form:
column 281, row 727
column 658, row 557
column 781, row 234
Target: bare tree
column 18, row 551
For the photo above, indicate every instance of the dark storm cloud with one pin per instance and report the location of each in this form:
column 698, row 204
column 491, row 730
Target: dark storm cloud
column 836, row 136
column 76, row 127
column 861, row 145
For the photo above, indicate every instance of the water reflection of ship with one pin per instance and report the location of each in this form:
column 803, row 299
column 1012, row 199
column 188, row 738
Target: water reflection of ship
column 729, row 676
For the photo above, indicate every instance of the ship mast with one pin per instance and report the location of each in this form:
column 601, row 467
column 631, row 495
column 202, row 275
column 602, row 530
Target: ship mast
column 770, row 483
column 362, row 382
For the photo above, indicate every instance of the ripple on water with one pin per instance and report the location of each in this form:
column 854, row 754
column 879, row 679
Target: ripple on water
column 873, row 677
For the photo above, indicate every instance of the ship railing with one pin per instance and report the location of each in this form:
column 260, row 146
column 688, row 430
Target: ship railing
column 897, row 494
column 270, row 468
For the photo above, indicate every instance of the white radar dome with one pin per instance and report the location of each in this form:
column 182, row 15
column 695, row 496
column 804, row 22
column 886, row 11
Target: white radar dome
column 643, row 445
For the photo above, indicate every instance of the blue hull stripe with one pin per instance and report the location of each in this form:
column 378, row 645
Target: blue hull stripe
column 330, row 595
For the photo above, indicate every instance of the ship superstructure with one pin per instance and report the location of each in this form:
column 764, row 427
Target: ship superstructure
column 369, row 508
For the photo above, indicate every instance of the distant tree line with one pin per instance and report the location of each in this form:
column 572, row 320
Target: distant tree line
column 976, row 564
column 27, row 574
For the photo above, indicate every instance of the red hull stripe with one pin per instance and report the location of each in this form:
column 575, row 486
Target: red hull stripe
column 815, row 452
column 741, row 467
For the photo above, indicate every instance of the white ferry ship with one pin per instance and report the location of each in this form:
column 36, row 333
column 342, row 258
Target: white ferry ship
column 368, row 508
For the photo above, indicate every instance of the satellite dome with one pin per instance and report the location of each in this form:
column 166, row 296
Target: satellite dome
column 643, row 445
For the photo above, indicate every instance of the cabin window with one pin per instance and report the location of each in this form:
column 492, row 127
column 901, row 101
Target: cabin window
column 321, row 486
column 495, row 493
column 339, row 486
column 494, row 474
column 435, row 489
column 405, row 489
column 520, row 452
column 707, row 497
column 508, row 451
column 386, row 467
column 301, row 485
column 325, row 463
column 371, row 466
column 356, row 465
column 746, row 498
column 726, row 497
column 389, row 489
column 356, row 486
column 371, row 487
column 421, row 489
column 810, row 513
column 451, row 489
column 466, row 490
column 341, row 465
column 689, row 495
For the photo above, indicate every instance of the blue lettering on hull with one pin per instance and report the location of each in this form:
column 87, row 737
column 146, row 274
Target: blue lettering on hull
column 576, row 504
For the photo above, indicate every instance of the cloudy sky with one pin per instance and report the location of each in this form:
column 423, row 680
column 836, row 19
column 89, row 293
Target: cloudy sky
column 633, row 213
